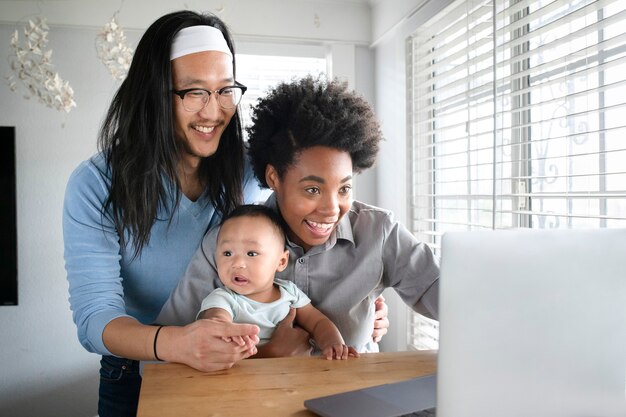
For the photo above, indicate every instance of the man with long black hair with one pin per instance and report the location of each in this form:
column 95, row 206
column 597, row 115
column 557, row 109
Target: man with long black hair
column 171, row 163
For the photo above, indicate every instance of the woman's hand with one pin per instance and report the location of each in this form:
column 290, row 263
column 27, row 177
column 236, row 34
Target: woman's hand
column 208, row 344
column 381, row 322
column 287, row 340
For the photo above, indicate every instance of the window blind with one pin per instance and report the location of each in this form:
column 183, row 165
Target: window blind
column 261, row 72
column 516, row 119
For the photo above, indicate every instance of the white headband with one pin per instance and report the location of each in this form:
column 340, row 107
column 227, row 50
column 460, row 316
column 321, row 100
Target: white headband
column 198, row 39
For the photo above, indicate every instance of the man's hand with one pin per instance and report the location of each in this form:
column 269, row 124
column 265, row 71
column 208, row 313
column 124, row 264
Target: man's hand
column 203, row 344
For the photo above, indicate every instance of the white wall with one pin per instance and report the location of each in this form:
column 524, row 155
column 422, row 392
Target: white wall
column 308, row 20
column 44, row 370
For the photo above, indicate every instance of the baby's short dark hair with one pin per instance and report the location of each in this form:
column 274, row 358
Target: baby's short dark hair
column 258, row 210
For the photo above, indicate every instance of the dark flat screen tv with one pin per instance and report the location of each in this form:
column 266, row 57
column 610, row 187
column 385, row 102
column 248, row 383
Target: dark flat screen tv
column 8, row 220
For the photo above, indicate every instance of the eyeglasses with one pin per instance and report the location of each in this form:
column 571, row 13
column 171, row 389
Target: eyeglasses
column 195, row 99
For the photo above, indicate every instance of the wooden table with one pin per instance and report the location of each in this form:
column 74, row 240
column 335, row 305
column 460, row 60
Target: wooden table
column 270, row 387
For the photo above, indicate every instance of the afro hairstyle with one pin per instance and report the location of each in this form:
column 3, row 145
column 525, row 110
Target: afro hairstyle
column 310, row 112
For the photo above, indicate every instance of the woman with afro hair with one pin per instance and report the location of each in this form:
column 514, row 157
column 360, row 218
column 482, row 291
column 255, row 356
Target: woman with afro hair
column 308, row 139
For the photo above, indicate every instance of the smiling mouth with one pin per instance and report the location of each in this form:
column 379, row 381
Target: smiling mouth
column 204, row 129
column 322, row 228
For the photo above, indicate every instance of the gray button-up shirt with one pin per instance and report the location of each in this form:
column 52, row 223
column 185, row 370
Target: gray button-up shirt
column 367, row 253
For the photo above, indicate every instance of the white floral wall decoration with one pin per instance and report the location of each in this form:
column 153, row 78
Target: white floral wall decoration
column 112, row 49
column 31, row 65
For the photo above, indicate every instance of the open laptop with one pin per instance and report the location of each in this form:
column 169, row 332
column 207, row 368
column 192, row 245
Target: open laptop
column 533, row 323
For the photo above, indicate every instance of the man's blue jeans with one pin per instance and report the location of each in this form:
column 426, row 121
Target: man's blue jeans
column 120, row 382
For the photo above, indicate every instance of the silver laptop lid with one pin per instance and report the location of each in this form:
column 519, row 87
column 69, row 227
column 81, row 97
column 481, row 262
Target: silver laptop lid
column 533, row 323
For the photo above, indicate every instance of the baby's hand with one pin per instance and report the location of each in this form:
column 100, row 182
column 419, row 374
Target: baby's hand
column 248, row 341
column 339, row 351
column 238, row 340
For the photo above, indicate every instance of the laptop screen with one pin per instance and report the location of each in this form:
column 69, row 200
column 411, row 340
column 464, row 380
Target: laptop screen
column 533, row 323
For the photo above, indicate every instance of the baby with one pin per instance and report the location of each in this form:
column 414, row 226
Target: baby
column 250, row 249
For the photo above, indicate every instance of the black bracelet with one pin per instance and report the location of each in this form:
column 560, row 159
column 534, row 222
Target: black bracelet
column 154, row 345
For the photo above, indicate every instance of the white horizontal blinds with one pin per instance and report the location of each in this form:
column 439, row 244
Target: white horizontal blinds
column 517, row 119
column 423, row 332
column 451, row 122
column 261, row 72
column 561, row 101
column 450, row 132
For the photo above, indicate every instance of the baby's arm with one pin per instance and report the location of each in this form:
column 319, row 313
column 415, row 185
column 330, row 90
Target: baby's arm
column 219, row 314
column 216, row 313
column 324, row 332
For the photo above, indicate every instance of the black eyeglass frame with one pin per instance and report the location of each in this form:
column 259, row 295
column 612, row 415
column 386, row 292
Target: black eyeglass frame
column 181, row 94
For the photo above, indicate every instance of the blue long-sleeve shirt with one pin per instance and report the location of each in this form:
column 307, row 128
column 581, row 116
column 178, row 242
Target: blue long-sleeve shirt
column 105, row 282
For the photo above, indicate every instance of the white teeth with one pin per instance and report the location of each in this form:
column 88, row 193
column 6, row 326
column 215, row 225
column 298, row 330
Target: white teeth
column 204, row 129
column 321, row 225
